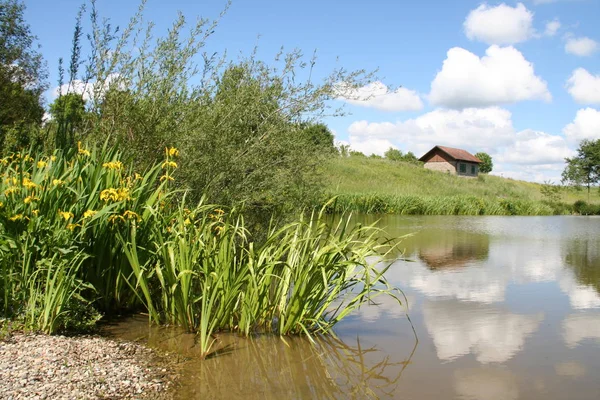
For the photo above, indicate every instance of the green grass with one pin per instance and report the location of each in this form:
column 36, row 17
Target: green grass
column 379, row 185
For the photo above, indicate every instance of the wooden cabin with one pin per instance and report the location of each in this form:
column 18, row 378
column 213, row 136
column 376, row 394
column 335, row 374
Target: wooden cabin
column 450, row 160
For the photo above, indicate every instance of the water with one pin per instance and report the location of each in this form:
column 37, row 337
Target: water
column 503, row 308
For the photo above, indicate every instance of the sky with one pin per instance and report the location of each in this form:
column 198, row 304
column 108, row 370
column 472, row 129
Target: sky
column 518, row 80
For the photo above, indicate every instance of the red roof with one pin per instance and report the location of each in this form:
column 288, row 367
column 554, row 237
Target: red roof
column 457, row 154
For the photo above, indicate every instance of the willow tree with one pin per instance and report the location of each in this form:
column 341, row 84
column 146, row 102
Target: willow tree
column 240, row 124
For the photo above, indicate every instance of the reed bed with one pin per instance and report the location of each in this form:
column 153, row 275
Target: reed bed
column 84, row 236
column 436, row 205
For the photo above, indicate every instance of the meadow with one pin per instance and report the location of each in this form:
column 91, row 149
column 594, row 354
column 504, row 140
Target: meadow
column 374, row 185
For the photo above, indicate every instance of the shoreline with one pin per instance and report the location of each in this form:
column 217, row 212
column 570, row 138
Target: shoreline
column 37, row 366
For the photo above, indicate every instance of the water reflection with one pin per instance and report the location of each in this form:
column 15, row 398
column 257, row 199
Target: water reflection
column 491, row 334
column 504, row 308
column 486, row 383
column 441, row 249
column 570, row 369
column 583, row 256
column 267, row 367
column 579, row 327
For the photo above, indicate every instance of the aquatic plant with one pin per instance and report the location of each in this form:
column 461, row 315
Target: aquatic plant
column 83, row 234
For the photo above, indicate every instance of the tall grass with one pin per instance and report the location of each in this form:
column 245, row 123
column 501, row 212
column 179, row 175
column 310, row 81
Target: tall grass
column 59, row 219
column 437, row 205
column 382, row 186
column 82, row 235
column 306, row 276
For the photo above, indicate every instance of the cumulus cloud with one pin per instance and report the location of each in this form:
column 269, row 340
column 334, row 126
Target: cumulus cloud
column 377, row 95
column 584, row 87
column 502, row 76
column 89, row 90
column 370, row 145
column 501, row 24
column 552, row 27
column 586, row 125
column 535, row 147
column 471, row 128
column 583, row 46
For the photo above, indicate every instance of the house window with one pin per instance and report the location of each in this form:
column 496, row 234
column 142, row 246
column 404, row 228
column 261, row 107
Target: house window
column 472, row 170
column 463, row 168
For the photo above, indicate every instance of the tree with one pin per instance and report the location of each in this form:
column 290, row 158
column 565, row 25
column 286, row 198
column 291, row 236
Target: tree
column 487, row 164
column 393, row 154
column 22, row 73
column 584, row 168
column 68, row 110
column 411, row 158
column 319, row 136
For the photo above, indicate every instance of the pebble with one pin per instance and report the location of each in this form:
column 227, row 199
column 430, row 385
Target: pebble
column 34, row 366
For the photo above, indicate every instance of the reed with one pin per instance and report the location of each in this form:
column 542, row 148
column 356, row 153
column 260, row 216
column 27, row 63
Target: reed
column 82, row 235
column 437, row 205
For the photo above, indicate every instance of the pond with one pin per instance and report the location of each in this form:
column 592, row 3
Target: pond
column 503, row 308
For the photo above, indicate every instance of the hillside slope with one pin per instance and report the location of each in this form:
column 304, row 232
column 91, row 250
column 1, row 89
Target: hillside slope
column 388, row 185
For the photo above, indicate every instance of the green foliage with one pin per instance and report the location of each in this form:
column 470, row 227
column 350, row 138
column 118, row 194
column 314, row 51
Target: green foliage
column 583, row 208
column 355, row 153
column 550, row 191
column 396, row 155
column 22, row 77
column 487, row 164
column 246, row 129
column 584, row 168
column 393, row 154
column 319, row 136
column 306, row 277
column 68, row 115
column 59, row 216
column 436, row 205
column 82, row 233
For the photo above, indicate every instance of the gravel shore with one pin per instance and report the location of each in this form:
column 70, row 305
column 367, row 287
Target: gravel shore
column 84, row 367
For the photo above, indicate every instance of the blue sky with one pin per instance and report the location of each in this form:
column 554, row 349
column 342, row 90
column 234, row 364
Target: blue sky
column 519, row 80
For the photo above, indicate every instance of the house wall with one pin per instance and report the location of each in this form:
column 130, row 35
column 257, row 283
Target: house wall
column 471, row 169
column 442, row 166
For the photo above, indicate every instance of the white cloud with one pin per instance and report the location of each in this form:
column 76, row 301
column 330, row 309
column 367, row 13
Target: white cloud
column 378, row 95
column 552, row 27
column 584, row 87
column 586, row 125
column 583, row 46
column 535, row 147
column 532, row 173
column 89, row 90
column 502, row 76
column 77, row 86
column 471, row 128
column 370, row 145
column 501, row 24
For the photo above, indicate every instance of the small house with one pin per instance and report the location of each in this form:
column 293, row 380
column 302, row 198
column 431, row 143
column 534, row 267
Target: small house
column 455, row 161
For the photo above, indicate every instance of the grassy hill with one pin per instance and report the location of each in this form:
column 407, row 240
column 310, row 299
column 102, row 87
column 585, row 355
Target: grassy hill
column 379, row 185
